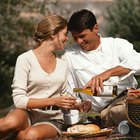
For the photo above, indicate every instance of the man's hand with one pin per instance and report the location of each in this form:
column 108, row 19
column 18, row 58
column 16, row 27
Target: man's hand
column 96, row 83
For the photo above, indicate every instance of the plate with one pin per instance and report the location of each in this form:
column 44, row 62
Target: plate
column 102, row 132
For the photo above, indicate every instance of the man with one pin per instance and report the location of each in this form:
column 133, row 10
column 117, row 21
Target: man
column 95, row 61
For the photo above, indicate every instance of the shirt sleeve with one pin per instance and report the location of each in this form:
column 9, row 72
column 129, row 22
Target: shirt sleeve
column 71, row 78
column 129, row 58
column 20, row 80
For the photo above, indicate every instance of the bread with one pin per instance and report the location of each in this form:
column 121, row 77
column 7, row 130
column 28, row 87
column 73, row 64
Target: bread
column 89, row 128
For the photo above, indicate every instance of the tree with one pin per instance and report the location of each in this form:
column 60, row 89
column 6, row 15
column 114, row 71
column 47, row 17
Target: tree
column 123, row 19
column 18, row 18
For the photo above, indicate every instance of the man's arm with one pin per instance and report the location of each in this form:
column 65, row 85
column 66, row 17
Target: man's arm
column 96, row 83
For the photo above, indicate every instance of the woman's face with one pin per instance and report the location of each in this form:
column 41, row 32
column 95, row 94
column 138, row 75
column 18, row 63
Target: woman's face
column 60, row 39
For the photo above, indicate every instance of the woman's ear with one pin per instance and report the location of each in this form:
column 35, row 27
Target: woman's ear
column 52, row 36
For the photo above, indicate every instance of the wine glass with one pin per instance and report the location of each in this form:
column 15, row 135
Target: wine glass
column 71, row 116
column 84, row 110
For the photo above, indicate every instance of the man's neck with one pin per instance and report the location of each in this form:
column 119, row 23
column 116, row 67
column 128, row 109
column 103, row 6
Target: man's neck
column 97, row 43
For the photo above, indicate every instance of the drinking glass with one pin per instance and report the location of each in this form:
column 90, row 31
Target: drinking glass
column 82, row 112
column 71, row 116
column 84, row 107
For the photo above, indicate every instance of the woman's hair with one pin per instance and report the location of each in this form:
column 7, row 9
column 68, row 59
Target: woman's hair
column 81, row 20
column 49, row 26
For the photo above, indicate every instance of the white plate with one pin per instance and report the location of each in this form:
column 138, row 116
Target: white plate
column 102, row 132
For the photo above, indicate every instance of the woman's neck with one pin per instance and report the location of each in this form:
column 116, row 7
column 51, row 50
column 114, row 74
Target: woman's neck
column 45, row 50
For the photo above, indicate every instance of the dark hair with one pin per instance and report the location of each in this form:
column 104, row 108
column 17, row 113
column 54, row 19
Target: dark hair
column 48, row 26
column 80, row 20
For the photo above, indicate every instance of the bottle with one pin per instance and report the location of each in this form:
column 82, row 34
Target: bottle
column 86, row 90
column 123, row 127
column 113, row 89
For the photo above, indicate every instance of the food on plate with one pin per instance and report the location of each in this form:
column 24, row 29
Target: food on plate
column 134, row 92
column 89, row 128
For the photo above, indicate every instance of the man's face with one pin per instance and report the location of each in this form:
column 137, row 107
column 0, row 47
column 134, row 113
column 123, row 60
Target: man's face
column 87, row 39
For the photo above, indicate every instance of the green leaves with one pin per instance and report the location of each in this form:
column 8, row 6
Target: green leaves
column 18, row 18
column 124, row 21
column 123, row 17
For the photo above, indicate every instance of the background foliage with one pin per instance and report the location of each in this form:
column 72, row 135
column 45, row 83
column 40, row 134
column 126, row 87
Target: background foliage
column 123, row 20
column 17, row 21
column 16, row 30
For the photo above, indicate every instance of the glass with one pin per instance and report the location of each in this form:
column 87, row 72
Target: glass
column 123, row 127
column 81, row 111
column 84, row 110
column 71, row 117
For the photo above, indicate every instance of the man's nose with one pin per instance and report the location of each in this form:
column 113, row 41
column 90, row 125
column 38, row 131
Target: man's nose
column 79, row 40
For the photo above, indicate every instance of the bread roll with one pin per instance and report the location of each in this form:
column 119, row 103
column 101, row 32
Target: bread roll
column 89, row 128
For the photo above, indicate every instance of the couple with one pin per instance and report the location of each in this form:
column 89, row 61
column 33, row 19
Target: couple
column 41, row 76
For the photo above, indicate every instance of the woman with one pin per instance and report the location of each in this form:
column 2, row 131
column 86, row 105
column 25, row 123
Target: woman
column 39, row 81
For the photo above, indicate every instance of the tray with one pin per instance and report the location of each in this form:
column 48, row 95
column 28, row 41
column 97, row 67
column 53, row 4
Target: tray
column 102, row 132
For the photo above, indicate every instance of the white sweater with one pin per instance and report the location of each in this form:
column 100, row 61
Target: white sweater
column 31, row 81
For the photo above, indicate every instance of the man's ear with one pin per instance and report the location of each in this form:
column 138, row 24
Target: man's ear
column 96, row 28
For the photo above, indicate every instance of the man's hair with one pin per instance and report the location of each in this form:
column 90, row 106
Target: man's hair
column 81, row 20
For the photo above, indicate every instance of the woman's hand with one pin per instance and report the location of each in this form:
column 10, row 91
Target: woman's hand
column 83, row 106
column 65, row 102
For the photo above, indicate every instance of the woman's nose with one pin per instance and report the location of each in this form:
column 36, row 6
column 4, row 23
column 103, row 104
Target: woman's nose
column 67, row 38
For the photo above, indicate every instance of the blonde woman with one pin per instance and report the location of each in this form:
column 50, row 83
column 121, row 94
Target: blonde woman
column 39, row 79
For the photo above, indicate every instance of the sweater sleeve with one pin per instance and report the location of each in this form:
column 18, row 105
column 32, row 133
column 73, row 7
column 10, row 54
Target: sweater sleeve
column 20, row 80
